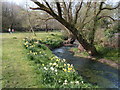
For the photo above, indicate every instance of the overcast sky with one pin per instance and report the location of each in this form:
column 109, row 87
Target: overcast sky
column 20, row 2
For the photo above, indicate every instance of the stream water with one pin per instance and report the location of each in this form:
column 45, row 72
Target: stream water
column 92, row 71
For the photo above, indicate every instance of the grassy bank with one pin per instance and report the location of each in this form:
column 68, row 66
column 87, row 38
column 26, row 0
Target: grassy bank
column 17, row 70
column 36, row 66
column 54, row 72
column 110, row 54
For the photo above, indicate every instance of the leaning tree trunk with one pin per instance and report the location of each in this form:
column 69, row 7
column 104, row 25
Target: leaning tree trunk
column 88, row 47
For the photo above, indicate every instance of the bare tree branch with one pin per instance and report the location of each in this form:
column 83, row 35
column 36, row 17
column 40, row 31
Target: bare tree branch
column 88, row 22
column 70, row 11
column 48, row 5
column 46, row 9
column 86, row 14
column 59, row 9
column 41, row 6
column 77, row 12
column 65, row 10
column 101, row 8
column 107, row 17
column 111, row 8
column 35, row 8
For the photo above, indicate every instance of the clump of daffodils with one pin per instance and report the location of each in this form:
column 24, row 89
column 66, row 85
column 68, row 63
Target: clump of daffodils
column 54, row 70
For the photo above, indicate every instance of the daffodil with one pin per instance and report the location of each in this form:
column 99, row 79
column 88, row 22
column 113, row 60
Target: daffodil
column 65, row 81
column 57, row 60
column 45, row 68
column 55, row 70
column 50, row 63
column 71, row 82
column 68, row 64
column 54, row 64
column 68, row 71
column 77, row 82
column 64, row 64
column 26, row 41
column 37, row 42
column 64, row 60
column 69, row 68
column 71, row 65
column 64, row 70
column 52, row 68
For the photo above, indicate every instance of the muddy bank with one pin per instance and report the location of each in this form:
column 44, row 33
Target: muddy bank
column 102, row 60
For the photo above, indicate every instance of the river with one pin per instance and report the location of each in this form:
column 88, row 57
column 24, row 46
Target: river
column 92, row 71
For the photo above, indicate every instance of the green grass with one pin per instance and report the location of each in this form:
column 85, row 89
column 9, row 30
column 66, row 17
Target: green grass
column 78, row 53
column 108, row 53
column 17, row 70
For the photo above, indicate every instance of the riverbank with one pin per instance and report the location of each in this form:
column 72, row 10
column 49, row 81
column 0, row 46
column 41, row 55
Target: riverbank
column 92, row 71
column 109, row 57
column 53, row 71
column 36, row 66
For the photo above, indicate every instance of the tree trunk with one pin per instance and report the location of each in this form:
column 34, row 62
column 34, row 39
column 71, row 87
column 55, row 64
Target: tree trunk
column 88, row 47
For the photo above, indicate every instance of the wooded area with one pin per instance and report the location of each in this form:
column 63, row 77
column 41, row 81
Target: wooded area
column 71, row 15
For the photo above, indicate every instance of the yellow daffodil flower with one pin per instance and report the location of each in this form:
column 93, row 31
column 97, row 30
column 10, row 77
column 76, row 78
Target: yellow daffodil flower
column 69, row 68
column 68, row 71
column 64, row 64
column 64, row 70
column 58, row 60
column 68, row 64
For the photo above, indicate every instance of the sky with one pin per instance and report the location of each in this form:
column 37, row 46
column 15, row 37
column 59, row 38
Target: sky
column 20, row 2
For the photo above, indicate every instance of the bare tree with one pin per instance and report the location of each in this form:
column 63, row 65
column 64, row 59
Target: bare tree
column 70, row 19
column 29, row 20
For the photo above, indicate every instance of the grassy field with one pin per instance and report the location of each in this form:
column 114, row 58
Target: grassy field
column 17, row 70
